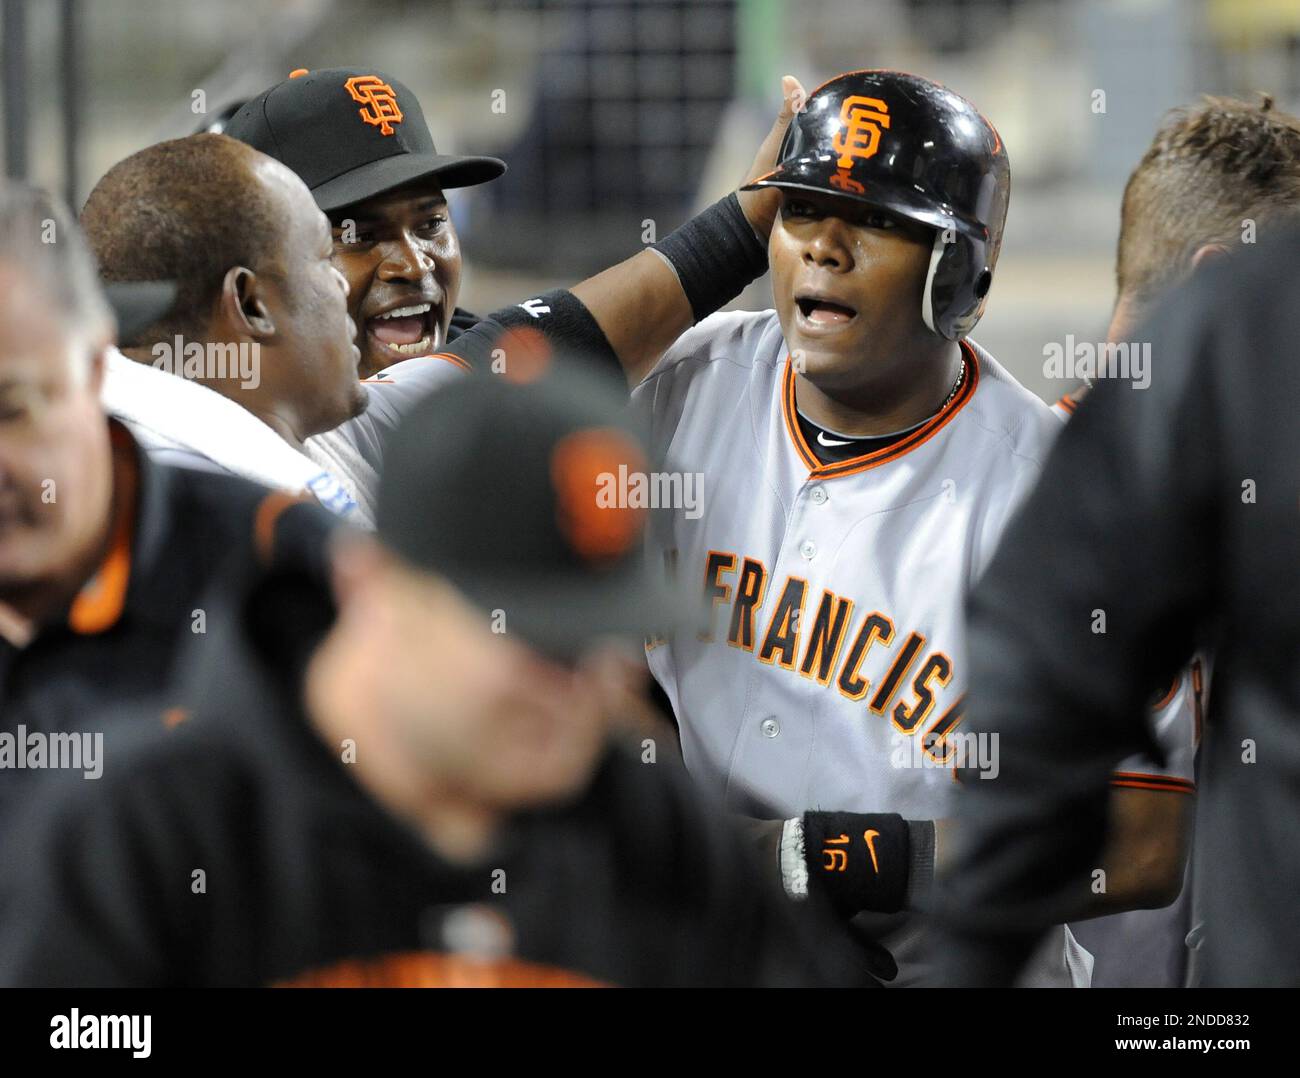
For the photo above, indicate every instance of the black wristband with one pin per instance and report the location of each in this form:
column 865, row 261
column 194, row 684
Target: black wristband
column 860, row 860
column 715, row 255
column 558, row 315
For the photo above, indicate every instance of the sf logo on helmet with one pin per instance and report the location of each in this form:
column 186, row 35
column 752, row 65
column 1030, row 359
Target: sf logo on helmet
column 378, row 103
column 861, row 119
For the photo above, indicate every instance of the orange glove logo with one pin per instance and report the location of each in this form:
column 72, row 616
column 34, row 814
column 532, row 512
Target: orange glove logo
column 871, row 836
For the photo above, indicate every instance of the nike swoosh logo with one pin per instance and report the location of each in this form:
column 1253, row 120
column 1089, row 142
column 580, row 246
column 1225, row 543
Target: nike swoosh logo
column 870, row 836
column 828, row 442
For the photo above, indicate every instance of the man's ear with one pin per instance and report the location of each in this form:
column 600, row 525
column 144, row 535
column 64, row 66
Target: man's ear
column 242, row 303
column 1122, row 319
column 1207, row 252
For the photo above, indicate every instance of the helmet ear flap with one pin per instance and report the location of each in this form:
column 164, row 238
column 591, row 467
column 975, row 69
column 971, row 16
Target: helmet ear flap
column 928, row 298
column 956, row 285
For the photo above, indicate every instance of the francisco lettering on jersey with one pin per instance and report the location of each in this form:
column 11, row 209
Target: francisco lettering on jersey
column 823, row 639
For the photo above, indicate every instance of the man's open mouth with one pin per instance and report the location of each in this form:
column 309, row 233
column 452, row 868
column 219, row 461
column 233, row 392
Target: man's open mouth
column 824, row 312
column 405, row 331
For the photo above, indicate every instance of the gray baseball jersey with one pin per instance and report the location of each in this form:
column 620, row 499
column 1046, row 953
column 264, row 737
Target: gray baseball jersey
column 828, row 671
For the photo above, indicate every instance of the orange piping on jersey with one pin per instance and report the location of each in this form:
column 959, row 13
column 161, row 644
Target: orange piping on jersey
column 451, row 357
column 99, row 603
column 1198, row 699
column 375, row 380
column 428, row 969
column 1178, row 680
column 788, row 413
column 265, row 520
column 1066, row 403
column 922, row 434
column 1137, row 780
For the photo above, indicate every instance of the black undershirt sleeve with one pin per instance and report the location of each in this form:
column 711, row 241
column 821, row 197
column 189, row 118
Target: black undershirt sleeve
column 558, row 316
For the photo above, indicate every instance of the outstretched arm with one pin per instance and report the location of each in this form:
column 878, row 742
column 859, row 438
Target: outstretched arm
column 628, row 314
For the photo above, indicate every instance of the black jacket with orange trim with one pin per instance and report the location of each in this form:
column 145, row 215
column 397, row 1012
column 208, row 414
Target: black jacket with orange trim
column 188, row 532
column 1172, row 511
column 307, row 880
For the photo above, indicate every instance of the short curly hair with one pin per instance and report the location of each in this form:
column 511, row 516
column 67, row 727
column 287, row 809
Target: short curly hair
column 186, row 210
column 1211, row 167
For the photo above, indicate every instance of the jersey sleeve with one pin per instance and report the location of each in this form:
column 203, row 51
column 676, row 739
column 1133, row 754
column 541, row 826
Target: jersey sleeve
column 738, row 338
column 1175, row 721
column 391, row 394
column 1064, row 408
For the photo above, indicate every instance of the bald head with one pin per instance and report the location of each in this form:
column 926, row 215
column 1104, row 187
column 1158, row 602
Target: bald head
column 250, row 254
column 189, row 210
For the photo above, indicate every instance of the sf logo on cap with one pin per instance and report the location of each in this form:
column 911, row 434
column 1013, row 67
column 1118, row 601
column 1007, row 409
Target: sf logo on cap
column 378, row 103
column 861, row 120
column 582, row 465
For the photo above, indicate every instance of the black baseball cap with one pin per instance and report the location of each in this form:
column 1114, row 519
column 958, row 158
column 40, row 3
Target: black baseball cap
column 496, row 485
column 351, row 134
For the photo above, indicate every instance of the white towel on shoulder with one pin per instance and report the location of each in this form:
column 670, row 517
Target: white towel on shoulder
column 179, row 420
column 339, row 456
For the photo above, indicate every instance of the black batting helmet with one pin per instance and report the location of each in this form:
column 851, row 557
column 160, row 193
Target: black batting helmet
column 915, row 148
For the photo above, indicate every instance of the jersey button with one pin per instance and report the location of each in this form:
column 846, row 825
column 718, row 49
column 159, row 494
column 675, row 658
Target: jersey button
column 818, row 495
column 808, row 550
column 770, row 727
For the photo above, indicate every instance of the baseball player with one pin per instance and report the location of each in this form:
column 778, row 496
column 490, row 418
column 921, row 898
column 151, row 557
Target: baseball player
column 358, row 139
column 1214, row 173
column 1197, row 564
column 1212, row 170
column 860, row 457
